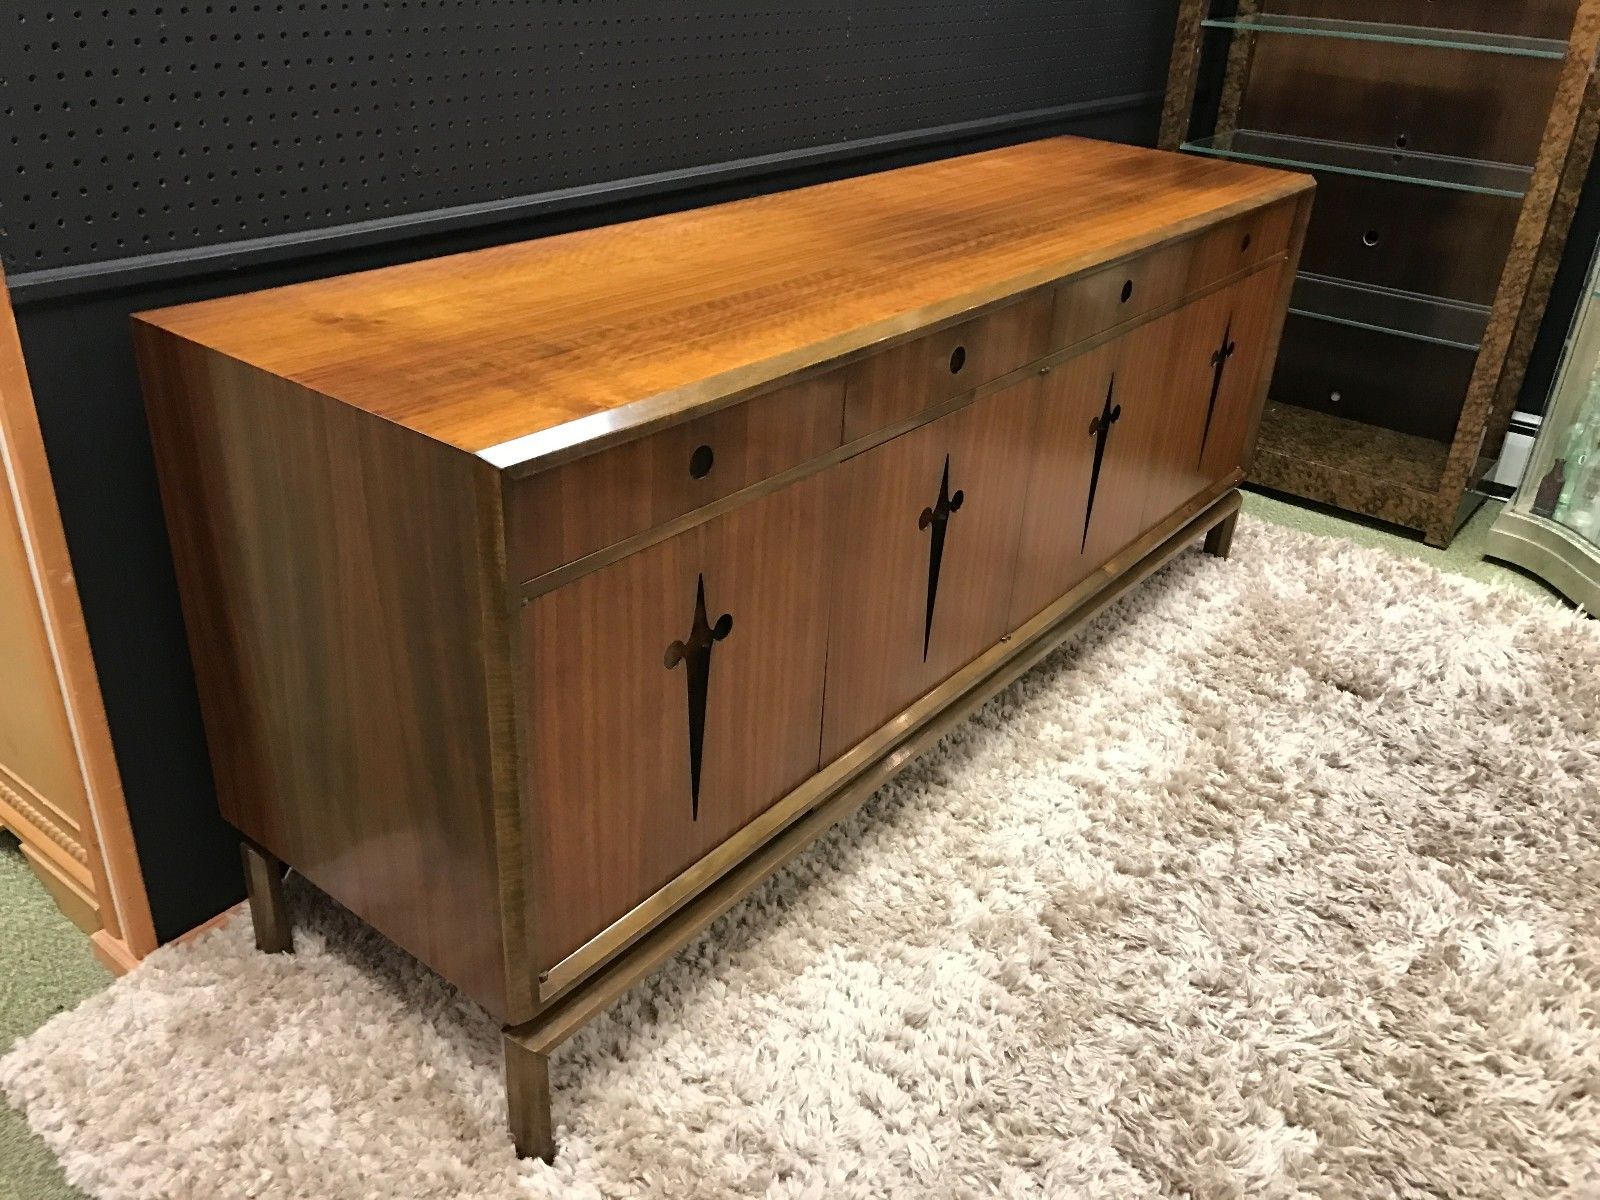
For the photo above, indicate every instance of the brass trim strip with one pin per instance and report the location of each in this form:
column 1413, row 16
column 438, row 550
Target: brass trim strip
column 549, row 580
column 840, row 786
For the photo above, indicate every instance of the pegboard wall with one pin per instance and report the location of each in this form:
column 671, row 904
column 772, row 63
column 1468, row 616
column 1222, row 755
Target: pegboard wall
column 138, row 128
column 160, row 152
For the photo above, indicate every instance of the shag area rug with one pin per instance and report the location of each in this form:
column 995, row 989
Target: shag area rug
column 1283, row 881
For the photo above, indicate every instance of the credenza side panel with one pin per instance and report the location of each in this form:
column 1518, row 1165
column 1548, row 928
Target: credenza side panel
column 672, row 696
column 337, row 578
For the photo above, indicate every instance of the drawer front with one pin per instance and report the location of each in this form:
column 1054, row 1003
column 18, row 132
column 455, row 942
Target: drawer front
column 672, row 696
column 901, row 382
column 1240, row 244
column 1092, row 304
column 561, row 515
column 927, row 538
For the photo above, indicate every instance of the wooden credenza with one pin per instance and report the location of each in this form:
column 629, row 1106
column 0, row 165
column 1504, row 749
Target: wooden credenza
column 545, row 599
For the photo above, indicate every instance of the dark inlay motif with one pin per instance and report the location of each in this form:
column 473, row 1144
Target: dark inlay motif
column 1100, row 430
column 1219, row 364
column 695, row 654
column 937, row 519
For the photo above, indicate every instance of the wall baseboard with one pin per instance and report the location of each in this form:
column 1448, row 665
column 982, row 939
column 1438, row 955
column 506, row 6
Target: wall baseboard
column 1503, row 481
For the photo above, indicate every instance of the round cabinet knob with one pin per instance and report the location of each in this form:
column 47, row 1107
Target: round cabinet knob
column 958, row 359
column 700, row 462
column 1244, row 244
column 1127, row 291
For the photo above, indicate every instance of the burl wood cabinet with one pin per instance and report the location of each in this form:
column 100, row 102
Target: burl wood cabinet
column 545, row 599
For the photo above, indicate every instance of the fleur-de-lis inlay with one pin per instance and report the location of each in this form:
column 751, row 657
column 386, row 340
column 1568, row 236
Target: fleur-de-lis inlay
column 694, row 652
column 1219, row 364
column 937, row 520
column 1100, row 430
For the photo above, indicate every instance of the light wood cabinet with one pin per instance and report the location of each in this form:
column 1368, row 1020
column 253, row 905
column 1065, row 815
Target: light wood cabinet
column 540, row 633
column 60, row 792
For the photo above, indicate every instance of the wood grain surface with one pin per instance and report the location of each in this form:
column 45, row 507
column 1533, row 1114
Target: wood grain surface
column 753, row 558
column 562, row 514
column 608, row 774
column 882, row 651
column 901, row 382
column 686, row 310
column 1440, row 101
column 340, row 579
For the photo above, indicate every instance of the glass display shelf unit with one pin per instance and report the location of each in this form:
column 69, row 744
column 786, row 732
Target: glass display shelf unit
column 1371, row 162
column 1442, row 322
column 1551, row 528
column 1411, row 35
column 1569, row 491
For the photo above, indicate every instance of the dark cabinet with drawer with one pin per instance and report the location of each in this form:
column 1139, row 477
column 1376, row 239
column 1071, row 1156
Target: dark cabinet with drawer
column 539, row 638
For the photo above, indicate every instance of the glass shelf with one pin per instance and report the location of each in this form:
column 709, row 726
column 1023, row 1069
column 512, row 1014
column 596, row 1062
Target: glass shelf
column 1432, row 319
column 1373, row 162
column 1410, row 35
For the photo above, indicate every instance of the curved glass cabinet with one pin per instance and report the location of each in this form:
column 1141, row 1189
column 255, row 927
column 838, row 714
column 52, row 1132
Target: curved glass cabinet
column 1552, row 525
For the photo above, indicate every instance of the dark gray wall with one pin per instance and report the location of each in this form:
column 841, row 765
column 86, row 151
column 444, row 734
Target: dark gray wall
column 167, row 152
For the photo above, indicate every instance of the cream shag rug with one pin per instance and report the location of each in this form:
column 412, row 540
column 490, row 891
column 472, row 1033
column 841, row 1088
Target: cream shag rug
column 1284, row 881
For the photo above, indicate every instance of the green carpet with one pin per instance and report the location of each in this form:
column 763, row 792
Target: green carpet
column 48, row 966
column 1464, row 557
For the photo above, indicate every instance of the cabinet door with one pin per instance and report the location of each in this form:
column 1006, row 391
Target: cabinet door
column 672, row 696
column 1249, row 319
column 927, row 548
column 1216, row 355
column 1099, row 416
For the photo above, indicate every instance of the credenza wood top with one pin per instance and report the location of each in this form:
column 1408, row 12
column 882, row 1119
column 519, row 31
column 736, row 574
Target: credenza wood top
column 521, row 352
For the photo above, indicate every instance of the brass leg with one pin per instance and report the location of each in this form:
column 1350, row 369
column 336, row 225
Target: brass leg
column 528, row 1099
column 263, row 881
column 1220, row 540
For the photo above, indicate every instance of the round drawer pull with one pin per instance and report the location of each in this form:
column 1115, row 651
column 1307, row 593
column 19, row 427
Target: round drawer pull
column 958, row 359
column 1245, row 244
column 700, row 462
column 1127, row 291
